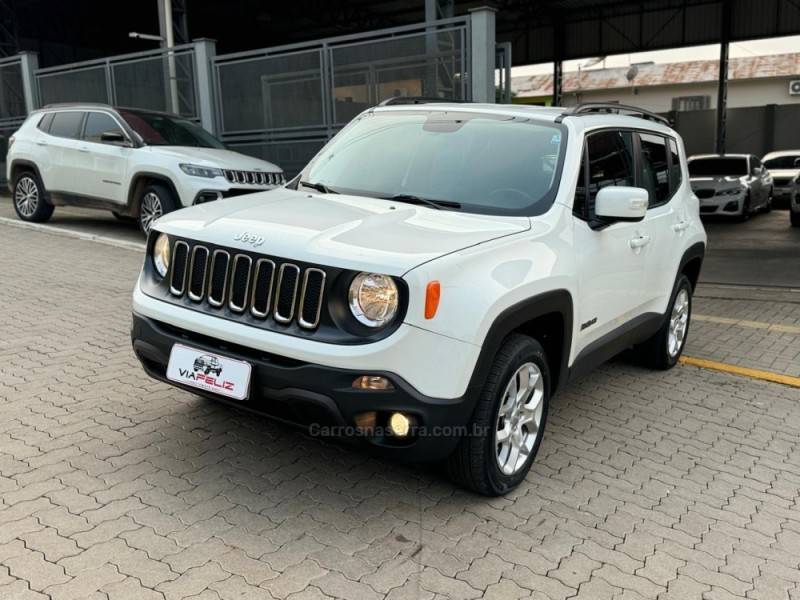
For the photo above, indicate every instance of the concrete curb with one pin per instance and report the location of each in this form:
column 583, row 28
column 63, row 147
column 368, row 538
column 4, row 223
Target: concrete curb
column 86, row 237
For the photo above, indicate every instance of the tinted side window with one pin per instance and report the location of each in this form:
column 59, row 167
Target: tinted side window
column 675, row 173
column 755, row 165
column 655, row 168
column 44, row 122
column 67, row 124
column 97, row 124
column 610, row 155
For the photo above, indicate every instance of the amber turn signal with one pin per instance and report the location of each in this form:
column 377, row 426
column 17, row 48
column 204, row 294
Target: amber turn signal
column 432, row 295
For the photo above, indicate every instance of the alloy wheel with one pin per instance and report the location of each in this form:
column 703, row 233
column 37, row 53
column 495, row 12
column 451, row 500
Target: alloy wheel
column 519, row 418
column 150, row 211
column 26, row 196
column 678, row 323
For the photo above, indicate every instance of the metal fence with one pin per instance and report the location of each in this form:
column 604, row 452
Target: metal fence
column 158, row 80
column 284, row 103
column 12, row 104
column 751, row 130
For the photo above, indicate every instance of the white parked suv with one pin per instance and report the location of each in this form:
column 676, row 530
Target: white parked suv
column 136, row 163
column 432, row 277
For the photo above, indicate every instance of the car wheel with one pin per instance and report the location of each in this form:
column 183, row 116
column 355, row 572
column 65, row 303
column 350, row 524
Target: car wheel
column 506, row 430
column 747, row 209
column 156, row 201
column 795, row 218
column 663, row 350
column 29, row 201
column 768, row 205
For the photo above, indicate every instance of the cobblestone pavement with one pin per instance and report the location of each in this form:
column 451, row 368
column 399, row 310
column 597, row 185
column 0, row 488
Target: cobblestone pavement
column 676, row 485
column 749, row 328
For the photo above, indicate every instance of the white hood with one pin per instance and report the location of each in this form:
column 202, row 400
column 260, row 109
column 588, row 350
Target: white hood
column 215, row 157
column 351, row 232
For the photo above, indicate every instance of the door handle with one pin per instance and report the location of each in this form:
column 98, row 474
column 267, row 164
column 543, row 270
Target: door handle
column 680, row 226
column 83, row 150
column 41, row 143
column 639, row 242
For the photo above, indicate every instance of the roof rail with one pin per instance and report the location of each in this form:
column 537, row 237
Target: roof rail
column 74, row 104
column 587, row 108
column 400, row 100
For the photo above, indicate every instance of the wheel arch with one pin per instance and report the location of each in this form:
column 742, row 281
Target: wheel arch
column 692, row 262
column 21, row 165
column 141, row 180
column 548, row 318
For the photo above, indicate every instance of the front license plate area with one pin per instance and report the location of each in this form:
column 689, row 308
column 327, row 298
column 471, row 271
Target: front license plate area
column 209, row 372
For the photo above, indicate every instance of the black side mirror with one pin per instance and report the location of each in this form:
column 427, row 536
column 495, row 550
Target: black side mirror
column 113, row 137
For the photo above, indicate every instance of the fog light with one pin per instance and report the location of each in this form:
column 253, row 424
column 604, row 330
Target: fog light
column 365, row 422
column 731, row 206
column 372, row 382
column 399, row 424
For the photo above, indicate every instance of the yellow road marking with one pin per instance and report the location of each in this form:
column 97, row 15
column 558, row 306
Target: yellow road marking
column 744, row 371
column 776, row 327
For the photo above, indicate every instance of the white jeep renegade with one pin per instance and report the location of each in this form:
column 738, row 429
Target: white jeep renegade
column 432, row 277
column 136, row 163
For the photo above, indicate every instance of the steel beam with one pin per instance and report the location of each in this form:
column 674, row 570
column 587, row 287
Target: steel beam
column 722, row 80
column 482, row 49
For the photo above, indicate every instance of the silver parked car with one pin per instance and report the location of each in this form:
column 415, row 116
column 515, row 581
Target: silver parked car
column 735, row 185
column 784, row 166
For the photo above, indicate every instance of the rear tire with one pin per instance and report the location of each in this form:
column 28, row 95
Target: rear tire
column 506, row 429
column 665, row 347
column 29, row 199
column 156, row 201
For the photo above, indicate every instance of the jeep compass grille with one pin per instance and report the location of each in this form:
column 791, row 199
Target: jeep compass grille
column 253, row 177
column 249, row 286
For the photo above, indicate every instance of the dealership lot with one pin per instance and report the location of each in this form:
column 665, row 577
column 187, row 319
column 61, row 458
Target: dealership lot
column 681, row 484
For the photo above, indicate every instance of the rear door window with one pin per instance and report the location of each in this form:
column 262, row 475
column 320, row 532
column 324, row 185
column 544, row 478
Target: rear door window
column 67, row 124
column 44, row 122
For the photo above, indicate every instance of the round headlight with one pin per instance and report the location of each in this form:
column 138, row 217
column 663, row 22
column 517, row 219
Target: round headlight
column 161, row 254
column 373, row 299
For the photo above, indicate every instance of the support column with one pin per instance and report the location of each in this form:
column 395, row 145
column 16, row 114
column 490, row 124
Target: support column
column 29, row 63
column 204, row 52
column 558, row 61
column 722, row 81
column 438, row 82
column 482, row 42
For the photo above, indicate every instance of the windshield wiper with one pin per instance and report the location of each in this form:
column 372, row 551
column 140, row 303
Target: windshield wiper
column 412, row 199
column 320, row 187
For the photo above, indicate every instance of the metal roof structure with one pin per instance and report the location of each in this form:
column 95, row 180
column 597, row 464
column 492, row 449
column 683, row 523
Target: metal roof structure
column 538, row 30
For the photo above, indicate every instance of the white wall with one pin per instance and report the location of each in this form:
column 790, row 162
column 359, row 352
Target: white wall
column 751, row 92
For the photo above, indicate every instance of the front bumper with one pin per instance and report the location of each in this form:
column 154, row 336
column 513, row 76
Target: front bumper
column 196, row 190
column 722, row 205
column 316, row 396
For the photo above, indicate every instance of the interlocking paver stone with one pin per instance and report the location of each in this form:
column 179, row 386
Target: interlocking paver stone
column 679, row 484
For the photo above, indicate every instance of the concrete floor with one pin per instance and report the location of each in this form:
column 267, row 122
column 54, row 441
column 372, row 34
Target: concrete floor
column 764, row 251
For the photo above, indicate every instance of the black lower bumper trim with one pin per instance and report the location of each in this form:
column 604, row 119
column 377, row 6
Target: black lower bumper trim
column 314, row 396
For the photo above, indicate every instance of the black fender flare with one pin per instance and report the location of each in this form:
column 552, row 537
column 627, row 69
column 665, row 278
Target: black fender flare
column 26, row 164
column 132, row 206
column 693, row 252
column 512, row 318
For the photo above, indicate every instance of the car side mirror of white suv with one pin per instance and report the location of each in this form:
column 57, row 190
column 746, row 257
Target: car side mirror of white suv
column 620, row 203
column 114, row 137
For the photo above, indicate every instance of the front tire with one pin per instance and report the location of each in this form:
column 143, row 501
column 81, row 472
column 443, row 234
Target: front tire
column 156, row 201
column 508, row 423
column 794, row 218
column 663, row 350
column 29, row 201
column 747, row 209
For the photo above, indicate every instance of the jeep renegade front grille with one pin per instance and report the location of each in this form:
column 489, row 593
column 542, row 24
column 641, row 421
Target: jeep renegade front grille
column 243, row 284
column 253, row 177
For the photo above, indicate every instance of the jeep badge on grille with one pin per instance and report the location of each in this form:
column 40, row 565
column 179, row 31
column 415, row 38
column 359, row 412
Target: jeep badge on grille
column 249, row 238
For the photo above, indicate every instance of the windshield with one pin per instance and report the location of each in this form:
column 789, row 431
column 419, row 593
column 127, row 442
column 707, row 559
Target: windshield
column 475, row 162
column 783, row 162
column 710, row 167
column 163, row 130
